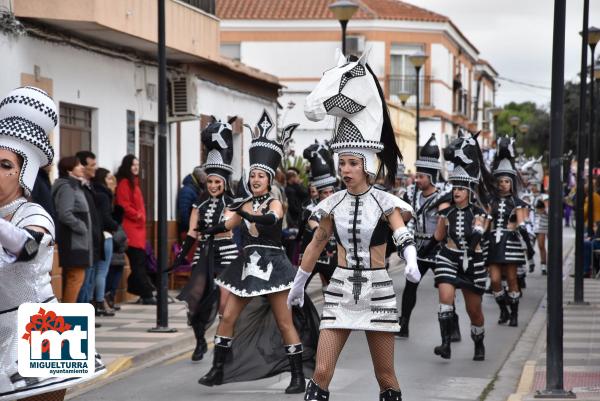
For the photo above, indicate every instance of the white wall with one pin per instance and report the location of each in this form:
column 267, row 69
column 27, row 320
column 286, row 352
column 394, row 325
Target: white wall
column 111, row 86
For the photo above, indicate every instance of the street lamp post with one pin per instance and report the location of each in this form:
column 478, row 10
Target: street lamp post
column 343, row 10
column 417, row 60
column 514, row 122
column 554, row 328
column 162, row 310
column 579, row 218
column 404, row 96
column 592, row 38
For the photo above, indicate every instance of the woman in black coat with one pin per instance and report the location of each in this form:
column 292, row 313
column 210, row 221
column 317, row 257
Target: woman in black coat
column 103, row 198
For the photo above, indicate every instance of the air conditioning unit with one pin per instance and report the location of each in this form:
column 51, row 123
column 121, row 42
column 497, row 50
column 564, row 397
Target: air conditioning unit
column 355, row 45
column 184, row 96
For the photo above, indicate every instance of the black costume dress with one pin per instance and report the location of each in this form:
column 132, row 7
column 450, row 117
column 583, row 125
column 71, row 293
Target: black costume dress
column 461, row 267
column 505, row 245
column 263, row 268
column 212, row 256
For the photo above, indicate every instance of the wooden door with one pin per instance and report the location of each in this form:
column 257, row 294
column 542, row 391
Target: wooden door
column 147, row 179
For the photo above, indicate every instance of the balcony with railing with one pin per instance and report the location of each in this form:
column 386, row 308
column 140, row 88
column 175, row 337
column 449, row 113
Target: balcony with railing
column 397, row 84
column 191, row 32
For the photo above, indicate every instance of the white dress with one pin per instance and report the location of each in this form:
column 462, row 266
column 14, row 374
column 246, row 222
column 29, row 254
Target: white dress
column 360, row 296
column 22, row 282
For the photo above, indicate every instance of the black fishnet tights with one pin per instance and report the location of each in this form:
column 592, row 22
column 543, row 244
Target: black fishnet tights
column 381, row 346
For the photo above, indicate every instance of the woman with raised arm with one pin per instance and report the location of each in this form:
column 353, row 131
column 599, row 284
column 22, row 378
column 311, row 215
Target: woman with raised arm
column 27, row 116
column 360, row 295
column 263, row 269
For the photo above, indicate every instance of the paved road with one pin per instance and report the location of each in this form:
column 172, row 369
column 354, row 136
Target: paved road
column 423, row 376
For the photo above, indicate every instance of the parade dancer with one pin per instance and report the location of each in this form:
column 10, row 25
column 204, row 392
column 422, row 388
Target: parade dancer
column 27, row 116
column 215, row 252
column 361, row 294
column 263, row 269
column 322, row 177
column 541, row 204
column 426, row 199
column 508, row 229
column 460, row 264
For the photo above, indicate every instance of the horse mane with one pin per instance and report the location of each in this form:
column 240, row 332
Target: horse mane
column 486, row 182
column 391, row 153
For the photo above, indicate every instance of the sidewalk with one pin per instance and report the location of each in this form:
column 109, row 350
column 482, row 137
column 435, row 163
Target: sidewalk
column 581, row 347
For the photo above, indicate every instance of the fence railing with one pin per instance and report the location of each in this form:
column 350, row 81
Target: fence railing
column 396, row 84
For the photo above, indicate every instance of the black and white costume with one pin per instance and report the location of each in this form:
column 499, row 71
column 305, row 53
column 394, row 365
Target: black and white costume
column 257, row 350
column 424, row 224
column 360, row 295
column 214, row 252
column 27, row 115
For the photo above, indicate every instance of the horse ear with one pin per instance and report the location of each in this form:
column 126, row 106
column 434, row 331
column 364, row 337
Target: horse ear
column 286, row 135
column 340, row 59
column 476, row 135
column 253, row 133
column 213, row 119
column 539, row 159
column 232, row 120
column 365, row 56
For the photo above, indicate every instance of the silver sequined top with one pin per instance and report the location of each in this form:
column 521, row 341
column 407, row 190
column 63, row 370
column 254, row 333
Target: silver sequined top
column 358, row 223
column 28, row 281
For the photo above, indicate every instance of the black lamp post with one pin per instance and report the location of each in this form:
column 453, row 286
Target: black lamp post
column 579, row 218
column 343, row 10
column 514, row 122
column 417, row 60
column 592, row 38
column 162, row 310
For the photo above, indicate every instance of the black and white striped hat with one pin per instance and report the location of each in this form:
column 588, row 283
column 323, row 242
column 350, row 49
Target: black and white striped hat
column 27, row 116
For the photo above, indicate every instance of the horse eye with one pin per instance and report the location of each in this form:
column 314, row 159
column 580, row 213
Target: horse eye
column 348, row 75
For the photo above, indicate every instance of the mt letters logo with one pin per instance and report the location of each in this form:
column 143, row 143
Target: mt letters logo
column 56, row 340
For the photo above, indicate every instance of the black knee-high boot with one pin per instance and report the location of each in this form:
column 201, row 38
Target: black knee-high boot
column 455, row 336
column 214, row 377
column 201, row 346
column 297, row 382
column 445, row 319
column 390, row 395
column 403, row 333
column 479, row 354
column 504, row 315
column 514, row 311
column 315, row 393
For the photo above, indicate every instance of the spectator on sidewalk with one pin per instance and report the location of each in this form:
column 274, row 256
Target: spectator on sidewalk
column 129, row 197
column 104, row 184
column 88, row 161
column 118, row 261
column 73, row 226
column 193, row 186
column 42, row 191
column 297, row 195
column 596, row 205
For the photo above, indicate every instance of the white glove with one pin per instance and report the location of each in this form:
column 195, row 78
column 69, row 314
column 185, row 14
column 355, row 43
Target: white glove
column 296, row 295
column 12, row 238
column 411, row 271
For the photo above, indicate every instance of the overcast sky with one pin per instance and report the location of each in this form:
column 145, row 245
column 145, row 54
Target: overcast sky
column 515, row 36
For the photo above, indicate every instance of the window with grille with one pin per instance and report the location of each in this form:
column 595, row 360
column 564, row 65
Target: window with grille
column 75, row 129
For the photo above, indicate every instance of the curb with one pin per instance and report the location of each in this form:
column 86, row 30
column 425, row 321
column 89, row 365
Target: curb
column 524, row 354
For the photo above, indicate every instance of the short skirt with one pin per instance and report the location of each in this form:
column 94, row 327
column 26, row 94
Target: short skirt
column 541, row 223
column 360, row 299
column 259, row 270
column 225, row 251
column 509, row 250
column 450, row 268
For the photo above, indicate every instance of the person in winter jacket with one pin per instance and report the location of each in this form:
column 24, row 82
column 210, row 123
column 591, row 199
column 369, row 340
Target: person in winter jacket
column 102, row 183
column 73, row 226
column 129, row 197
column 193, row 186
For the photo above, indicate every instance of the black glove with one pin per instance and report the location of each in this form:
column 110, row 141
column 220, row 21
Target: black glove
column 185, row 249
column 218, row 229
column 268, row 219
column 474, row 240
column 527, row 240
column 427, row 249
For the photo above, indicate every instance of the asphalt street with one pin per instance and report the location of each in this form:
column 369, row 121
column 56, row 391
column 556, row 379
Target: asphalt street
column 422, row 375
